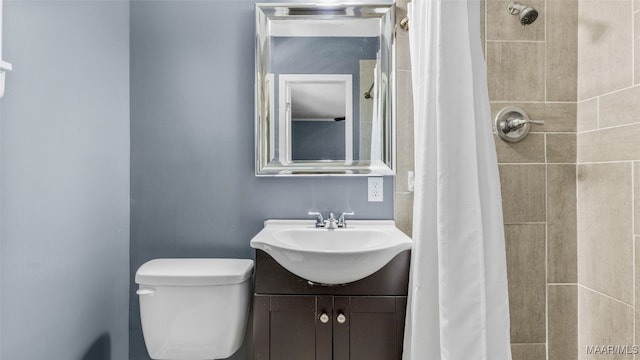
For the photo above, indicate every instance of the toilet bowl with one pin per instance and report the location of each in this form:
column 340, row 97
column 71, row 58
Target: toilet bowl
column 194, row 309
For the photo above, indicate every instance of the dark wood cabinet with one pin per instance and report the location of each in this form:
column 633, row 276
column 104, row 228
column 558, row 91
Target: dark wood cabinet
column 288, row 328
column 298, row 320
column 372, row 330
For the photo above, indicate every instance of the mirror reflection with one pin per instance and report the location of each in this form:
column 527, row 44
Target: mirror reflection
column 321, row 118
column 323, row 94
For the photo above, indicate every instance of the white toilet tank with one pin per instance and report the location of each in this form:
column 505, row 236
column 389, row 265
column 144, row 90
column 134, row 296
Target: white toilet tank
column 194, row 309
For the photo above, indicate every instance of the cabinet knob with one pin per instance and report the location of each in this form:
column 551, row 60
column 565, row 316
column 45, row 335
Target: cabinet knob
column 341, row 319
column 324, row 318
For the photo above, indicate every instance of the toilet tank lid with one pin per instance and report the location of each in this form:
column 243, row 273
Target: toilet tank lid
column 192, row 272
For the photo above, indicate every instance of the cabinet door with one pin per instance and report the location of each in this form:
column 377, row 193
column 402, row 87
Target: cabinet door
column 290, row 327
column 370, row 328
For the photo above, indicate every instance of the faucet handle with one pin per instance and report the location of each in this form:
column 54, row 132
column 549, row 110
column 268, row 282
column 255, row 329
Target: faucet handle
column 341, row 221
column 514, row 124
column 319, row 218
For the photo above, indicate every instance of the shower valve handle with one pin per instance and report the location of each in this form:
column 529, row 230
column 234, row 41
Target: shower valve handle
column 513, row 124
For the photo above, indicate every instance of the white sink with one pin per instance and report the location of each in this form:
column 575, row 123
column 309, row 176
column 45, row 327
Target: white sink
column 331, row 256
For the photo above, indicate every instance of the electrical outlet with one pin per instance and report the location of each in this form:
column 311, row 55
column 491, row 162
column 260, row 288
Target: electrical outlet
column 376, row 188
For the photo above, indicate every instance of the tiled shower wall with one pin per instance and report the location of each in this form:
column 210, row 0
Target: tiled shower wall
column 532, row 67
column 608, row 174
column 404, row 126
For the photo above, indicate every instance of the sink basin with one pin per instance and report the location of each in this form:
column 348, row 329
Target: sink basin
column 331, row 256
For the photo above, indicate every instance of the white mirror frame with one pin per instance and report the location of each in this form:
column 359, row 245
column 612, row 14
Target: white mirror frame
column 265, row 111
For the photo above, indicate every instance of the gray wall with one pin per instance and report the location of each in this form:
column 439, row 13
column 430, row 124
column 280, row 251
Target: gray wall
column 317, row 140
column 193, row 189
column 65, row 181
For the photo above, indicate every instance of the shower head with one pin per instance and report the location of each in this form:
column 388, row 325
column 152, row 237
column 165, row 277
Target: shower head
column 527, row 14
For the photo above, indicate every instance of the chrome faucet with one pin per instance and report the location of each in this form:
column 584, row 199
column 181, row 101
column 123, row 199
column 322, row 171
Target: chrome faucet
column 342, row 223
column 319, row 218
column 331, row 222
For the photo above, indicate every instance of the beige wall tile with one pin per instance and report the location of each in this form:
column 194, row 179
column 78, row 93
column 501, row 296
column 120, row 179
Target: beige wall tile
column 528, row 351
column 636, row 192
column 404, row 128
column 636, row 44
column 523, row 193
column 603, row 321
column 561, row 148
column 404, row 212
column 562, row 50
column 605, row 239
column 563, row 322
column 604, row 51
column 403, row 59
column 613, row 144
column 483, row 26
column 619, row 108
column 526, row 280
column 562, row 265
column 529, row 150
column 637, row 292
column 515, row 71
column 588, row 115
column 503, row 26
column 556, row 116
column 365, row 141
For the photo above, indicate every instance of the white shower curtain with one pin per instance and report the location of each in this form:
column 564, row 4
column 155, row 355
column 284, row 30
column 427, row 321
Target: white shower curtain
column 458, row 305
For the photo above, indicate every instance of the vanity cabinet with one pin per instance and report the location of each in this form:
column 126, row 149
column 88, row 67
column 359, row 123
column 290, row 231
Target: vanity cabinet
column 298, row 320
column 326, row 328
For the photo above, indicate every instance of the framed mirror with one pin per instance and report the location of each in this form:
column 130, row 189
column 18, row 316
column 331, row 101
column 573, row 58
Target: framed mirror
column 324, row 89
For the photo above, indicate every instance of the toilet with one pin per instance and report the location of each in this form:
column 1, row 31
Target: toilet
column 194, row 309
